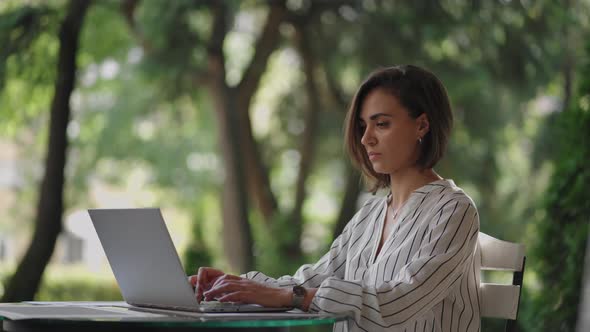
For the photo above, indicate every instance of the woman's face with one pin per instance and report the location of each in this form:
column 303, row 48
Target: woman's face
column 390, row 134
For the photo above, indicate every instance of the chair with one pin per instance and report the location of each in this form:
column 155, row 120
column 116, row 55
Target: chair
column 501, row 300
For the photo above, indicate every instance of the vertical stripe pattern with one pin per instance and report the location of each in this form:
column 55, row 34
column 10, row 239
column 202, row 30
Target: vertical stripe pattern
column 426, row 277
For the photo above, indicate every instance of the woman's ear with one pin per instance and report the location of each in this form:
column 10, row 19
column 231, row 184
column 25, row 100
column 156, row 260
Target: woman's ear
column 423, row 125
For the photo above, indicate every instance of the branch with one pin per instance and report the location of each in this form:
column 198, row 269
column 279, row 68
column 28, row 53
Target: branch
column 336, row 91
column 265, row 45
column 315, row 9
column 200, row 78
column 218, row 30
column 128, row 8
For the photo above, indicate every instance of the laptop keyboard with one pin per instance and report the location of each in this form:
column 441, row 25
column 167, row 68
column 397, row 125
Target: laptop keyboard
column 203, row 306
column 216, row 304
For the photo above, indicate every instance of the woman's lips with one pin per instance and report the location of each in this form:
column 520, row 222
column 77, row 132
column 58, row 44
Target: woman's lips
column 374, row 155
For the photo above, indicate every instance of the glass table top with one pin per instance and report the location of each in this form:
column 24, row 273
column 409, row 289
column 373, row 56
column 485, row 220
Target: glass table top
column 93, row 313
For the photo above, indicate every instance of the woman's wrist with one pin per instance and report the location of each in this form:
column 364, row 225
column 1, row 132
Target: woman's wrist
column 286, row 297
column 309, row 294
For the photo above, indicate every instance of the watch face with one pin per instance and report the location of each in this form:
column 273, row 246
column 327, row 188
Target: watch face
column 299, row 291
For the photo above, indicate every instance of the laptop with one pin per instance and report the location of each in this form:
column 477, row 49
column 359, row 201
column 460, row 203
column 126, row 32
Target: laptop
column 146, row 265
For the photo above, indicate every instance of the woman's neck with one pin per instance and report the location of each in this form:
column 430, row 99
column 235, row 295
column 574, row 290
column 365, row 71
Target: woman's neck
column 403, row 183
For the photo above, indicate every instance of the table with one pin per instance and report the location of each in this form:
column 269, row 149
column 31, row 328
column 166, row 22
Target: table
column 165, row 320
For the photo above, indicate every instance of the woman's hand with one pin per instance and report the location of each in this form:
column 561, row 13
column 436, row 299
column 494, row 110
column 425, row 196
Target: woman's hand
column 204, row 280
column 230, row 288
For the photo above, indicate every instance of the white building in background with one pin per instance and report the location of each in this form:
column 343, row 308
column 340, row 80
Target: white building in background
column 9, row 181
column 6, row 247
column 79, row 244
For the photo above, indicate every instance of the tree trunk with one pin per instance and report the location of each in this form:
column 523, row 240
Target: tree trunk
column 348, row 205
column 237, row 237
column 27, row 278
column 258, row 181
column 306, row 150
column 584, row 309
column 244, row 169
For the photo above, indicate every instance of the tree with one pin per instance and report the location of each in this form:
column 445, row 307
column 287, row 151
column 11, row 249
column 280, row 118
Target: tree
column 559, row 249
column 245, row 169
column 25, row 281
column 231, row 107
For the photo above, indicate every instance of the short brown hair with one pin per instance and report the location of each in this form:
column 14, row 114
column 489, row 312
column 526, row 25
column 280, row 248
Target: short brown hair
column 419, row 91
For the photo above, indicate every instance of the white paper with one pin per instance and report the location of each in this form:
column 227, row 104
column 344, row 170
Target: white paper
column 17, row 311
column 81, row 303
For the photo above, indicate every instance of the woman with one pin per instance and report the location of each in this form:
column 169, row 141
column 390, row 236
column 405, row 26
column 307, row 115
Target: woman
column 405, row 262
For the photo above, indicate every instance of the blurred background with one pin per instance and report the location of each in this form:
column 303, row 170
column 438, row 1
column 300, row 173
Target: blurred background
column 229, row 116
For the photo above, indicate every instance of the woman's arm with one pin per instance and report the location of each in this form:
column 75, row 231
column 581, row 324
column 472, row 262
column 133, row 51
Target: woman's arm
column 256, row 287
column 332, row 264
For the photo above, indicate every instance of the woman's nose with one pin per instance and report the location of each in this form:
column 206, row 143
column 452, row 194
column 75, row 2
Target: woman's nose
column 367, row 139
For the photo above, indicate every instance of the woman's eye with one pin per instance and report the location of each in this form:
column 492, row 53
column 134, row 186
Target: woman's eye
column 382, row 124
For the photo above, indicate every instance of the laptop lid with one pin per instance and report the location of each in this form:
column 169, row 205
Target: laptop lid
column 143, row 257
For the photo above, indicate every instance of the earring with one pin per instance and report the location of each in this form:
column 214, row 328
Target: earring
column 420, row 140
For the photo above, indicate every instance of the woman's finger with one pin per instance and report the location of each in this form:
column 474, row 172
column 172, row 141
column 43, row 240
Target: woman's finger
column 193, row 281
column 223, row 278
column 224, row 287
column 205, row 276
column 219, row 290
column 239, row 297
column 201, row 276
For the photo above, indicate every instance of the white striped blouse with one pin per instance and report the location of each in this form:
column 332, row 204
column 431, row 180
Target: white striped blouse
column 425, row 278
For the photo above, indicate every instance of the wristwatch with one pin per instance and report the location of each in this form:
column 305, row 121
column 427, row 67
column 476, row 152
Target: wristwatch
column 298, row 297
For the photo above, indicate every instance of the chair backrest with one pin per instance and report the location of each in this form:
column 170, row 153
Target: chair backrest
column 501, row 300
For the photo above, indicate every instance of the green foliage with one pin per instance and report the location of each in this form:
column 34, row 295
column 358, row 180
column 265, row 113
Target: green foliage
column 273, row 244
column 270, row 247
column 176, row 34
column 492, row 57
column 105, row 34
column 69, row 285
column 18, row 29
column 29, row 44
column 558, row 255
column 78, row 289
